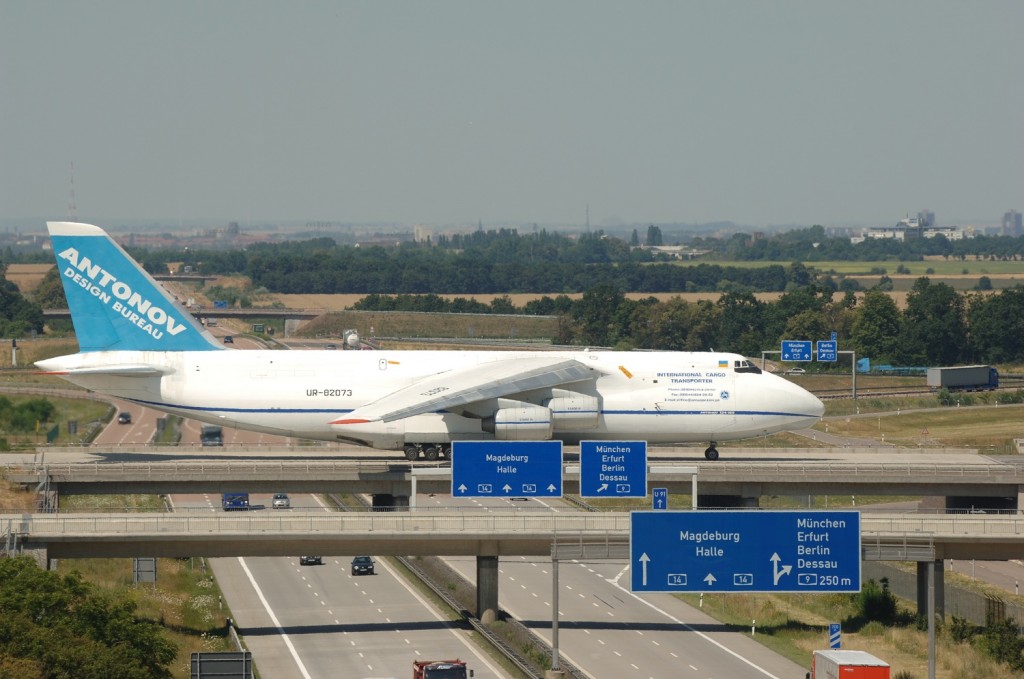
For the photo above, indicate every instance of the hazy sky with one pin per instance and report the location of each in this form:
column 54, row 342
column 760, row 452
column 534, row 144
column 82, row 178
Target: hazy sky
column 512, row 112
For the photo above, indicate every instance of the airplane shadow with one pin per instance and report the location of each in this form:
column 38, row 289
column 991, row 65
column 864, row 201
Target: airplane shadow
column 631, row 626
column 352, row 628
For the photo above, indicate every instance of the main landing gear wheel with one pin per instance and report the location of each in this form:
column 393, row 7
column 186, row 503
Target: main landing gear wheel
column 712, row 452
column 430, row 452
column 412, row 453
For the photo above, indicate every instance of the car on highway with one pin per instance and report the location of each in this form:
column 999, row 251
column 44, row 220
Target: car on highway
column 796, row 371
column 281, row 501
column 228, row 339
column 124, row 418
column 311, row 561
column 362, row 565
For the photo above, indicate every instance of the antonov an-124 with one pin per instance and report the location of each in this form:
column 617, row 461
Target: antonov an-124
column 137, row 343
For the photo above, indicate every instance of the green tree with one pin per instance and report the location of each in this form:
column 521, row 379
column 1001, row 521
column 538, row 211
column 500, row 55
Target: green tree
column 934, row 328
column 876, row 326
column 62, row 627
column 49, row 294
column 598, row 316
column 997, row 324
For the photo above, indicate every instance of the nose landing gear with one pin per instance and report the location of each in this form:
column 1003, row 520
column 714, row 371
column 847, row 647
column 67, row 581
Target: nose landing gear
column 712, row 452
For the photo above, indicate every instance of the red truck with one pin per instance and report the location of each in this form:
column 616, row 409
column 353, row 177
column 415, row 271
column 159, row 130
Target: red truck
column 847, row 665
column 440, row 669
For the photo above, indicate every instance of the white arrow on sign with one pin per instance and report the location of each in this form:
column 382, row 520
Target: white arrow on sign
column 710, row 579
column 462, row 488
column 507, row 488
column 603, row 487
column 551, row 488
column 779, row 572
column 643, row 562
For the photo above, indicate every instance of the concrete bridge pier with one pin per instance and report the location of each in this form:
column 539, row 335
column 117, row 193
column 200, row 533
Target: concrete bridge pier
column 487, row 589
column 716, row 501
column 386, row 502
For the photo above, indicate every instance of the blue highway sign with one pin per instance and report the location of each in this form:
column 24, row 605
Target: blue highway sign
column 613, row 468
column 660, row 498
column 507, row 469
column 796, row 350
column 827, row 350
column 742, row 551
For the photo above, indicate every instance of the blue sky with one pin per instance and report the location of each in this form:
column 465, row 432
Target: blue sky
column 518, row 112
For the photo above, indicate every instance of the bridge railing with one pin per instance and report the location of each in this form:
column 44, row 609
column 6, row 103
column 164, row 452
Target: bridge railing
column 454, row 522
column 253, row 523
column 789, row 470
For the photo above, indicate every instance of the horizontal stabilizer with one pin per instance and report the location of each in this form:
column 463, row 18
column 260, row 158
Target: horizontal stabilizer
column 126, row 370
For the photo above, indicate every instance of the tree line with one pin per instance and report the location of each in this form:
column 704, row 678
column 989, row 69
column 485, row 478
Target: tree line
column 939, row 326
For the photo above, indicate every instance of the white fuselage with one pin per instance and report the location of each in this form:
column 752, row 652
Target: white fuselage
column 660, row 397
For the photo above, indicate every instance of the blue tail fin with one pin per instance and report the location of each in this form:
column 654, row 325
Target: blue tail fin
column 115, row 305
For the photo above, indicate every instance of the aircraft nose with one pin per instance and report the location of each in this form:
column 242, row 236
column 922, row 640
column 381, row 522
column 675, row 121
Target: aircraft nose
column 806, row 403
column 815, row 405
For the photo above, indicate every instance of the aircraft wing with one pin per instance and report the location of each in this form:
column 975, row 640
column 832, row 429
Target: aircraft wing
column 467, row 385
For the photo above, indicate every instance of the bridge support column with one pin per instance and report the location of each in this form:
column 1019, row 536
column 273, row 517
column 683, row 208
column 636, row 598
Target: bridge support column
column 386, row 502
column 487, row 589
column 716, row 501
column 922, row 588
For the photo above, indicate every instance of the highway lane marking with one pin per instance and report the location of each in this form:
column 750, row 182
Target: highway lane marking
column 615, row 583
column 273, row 619
column 479, row 655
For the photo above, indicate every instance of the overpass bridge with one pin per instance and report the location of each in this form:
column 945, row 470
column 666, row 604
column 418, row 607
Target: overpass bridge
column 586, row 536
column 985, row 483
column 448, row 532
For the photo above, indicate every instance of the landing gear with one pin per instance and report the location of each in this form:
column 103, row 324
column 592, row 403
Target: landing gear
column 431, row 451
column 712, row 452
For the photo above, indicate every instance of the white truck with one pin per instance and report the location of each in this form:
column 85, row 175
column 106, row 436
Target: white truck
column 964, row 378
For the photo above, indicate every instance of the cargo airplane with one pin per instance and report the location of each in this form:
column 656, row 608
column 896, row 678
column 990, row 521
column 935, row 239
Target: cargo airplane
column 136, row 342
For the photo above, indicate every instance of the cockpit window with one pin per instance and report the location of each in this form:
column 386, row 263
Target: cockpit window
column 746, row 367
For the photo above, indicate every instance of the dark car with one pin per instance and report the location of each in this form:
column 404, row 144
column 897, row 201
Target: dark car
column 228, row 339
column 311, row 561
column 362, row 565
column 124, row 418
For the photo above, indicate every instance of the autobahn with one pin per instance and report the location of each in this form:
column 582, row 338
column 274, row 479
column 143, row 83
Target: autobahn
column 322, row 621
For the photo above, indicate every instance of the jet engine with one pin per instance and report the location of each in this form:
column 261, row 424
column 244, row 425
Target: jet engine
column 519, row 421
column 573, row 411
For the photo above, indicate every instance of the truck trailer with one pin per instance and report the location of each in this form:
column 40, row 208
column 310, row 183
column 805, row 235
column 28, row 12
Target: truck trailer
column 964, row 378
column 835, row 664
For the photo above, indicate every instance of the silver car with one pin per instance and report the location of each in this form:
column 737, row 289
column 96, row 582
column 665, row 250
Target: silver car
column 281, row 501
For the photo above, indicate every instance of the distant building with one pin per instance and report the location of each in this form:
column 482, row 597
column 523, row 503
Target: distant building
column 908, row 228
column 1012, row 224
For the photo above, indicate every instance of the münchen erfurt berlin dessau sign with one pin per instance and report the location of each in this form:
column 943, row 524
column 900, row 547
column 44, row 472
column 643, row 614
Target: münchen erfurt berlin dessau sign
column 745, row 551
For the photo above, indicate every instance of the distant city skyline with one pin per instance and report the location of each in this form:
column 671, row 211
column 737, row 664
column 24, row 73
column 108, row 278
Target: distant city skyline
column 455, row 113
